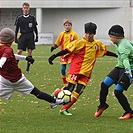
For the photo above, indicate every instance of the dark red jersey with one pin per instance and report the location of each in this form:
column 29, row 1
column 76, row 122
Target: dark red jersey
column 10, row 70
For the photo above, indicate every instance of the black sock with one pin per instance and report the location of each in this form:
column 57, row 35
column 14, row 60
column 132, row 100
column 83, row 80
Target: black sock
column 42, row 95
column 123, row 100
column 28, row 64
column 103, row 93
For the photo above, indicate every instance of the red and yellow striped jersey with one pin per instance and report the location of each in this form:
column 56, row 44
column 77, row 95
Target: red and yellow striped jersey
column 66, row 37
column 85, row 54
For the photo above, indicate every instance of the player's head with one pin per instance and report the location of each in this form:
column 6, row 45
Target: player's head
column 7, row 36
column 67, row 24
column 25, row 8
column 90, row 28
column 116, row 31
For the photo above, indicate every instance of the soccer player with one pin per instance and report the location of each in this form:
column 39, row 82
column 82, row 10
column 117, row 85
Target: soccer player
column 85, row 51
column 27, row 25
column 121, row 75
column 11, row 77
column 65, row 37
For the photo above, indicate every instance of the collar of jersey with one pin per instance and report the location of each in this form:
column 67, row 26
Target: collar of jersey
column 26, row 16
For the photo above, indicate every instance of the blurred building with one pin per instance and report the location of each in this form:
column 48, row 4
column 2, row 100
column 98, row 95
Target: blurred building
column 50, row 15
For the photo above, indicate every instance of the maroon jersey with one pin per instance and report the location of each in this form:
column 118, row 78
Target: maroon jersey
column 10, row 70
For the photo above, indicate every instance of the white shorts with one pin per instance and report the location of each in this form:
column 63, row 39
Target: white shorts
column 7, row 88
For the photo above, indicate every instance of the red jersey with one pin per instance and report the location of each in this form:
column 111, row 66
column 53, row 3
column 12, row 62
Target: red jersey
column 10, row 70
column 85, row 54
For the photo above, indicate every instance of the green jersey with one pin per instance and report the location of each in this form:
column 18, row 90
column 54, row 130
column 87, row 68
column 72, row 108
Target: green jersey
column 124, row 49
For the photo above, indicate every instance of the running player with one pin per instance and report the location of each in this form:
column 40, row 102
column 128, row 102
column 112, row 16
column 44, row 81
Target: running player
column 85, row 51
column 11, row 77
column 121, row 75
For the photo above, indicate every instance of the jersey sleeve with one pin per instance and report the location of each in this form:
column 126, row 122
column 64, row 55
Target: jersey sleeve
column 101, row 49
column 59, row 39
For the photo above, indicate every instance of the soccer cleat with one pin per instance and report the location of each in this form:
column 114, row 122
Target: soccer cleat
column 64, row 112
column 58, row 102
column 126, row 115
column 27, row 71
column 100, row 110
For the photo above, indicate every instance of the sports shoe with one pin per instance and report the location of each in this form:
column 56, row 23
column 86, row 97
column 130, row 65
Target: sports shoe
column 27, row 71
column 58, row 102
column 64, row 112
column 126, row 115
column 100, row 110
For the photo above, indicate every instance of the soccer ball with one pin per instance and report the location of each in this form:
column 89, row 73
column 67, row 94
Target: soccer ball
column 65, row 95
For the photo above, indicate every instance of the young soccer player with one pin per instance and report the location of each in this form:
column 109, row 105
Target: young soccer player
column 85, row 51
column 11, row 77
column 121, row 75
column 65, row 37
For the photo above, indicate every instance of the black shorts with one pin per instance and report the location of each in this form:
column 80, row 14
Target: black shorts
column 119, row 77
column 26, row 41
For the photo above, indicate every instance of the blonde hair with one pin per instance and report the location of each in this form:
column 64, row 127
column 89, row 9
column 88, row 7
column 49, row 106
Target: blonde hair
column 67, row 21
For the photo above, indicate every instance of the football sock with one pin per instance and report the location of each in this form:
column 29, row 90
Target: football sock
column 75, row 96
column 28, row 64
column 64, row 79
column 122, row 100
column 42, row 95
column 103, row 93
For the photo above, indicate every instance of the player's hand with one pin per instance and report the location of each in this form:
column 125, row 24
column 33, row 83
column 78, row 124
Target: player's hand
column 52, row 48
column 51, row 58
column 30, row 59
column 36, row 40
column 128, row 72
column 16, row 40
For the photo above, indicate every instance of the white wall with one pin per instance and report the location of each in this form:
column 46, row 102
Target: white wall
column 104, row 18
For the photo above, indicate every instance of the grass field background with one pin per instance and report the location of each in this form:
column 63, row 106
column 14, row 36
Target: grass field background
column 31, row 115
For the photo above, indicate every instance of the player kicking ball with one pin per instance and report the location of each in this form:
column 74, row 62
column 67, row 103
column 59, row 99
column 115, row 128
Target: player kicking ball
column 11, row 77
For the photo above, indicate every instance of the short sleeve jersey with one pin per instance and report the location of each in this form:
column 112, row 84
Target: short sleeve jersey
column 26, row 23
column 66, row 37
column 10, row 69
column 85, row 54
column 124, row 49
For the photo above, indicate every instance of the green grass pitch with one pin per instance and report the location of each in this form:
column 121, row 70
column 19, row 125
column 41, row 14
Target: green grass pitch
column 31, row 115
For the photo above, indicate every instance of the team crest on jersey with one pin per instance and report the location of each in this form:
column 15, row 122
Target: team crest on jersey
column 30, row 25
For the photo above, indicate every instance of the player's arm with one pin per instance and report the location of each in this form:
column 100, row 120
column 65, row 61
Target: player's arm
column 109, row 53
column 36, row 32
column 22, row 57
column 16, row 33
column 2, row 61
column 62, row 52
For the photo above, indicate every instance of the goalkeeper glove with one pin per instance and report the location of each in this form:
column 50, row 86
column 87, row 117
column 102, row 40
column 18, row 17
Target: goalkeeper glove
column 30, row 59
column 128, row 72
column 51, row 58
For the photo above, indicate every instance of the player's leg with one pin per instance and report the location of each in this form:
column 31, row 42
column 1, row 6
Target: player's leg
column 82, row 82
column 63, row 74
column 108, row 81
column 122, row 85
column 29, row 63
column 21, row 45
column 44, row 96
column 30, row 47
column 25, row 87
column 75, row 95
